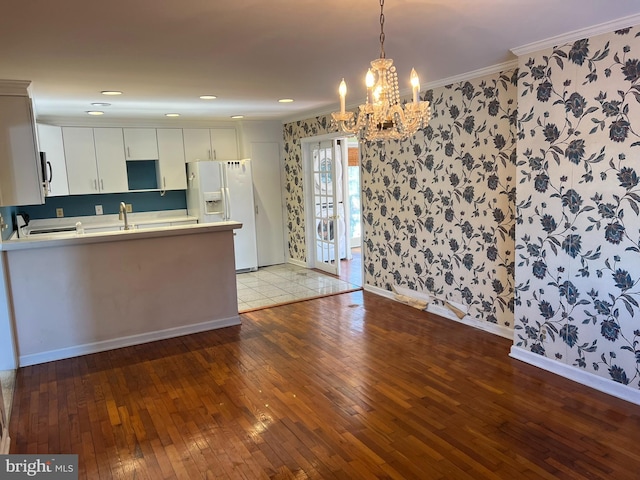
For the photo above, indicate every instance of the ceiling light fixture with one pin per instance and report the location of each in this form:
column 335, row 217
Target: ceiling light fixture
column 95, row 112
column 111, row 92
column 236, row 117
column 285, row 100
column 101, row 104
column 208, row 97
column 382, row 116
column 171, row 114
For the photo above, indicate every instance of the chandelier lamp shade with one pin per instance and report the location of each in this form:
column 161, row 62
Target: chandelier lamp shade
column 383, row 117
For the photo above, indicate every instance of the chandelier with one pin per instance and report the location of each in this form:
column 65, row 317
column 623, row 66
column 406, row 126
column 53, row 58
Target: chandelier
column 382, row 116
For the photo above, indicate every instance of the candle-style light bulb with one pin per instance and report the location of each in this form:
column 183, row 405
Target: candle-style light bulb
column 415, row 83
column 342, row 90
column 369, row 81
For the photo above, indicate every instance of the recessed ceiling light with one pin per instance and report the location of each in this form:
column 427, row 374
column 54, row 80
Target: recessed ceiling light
column 285, row 100
column 237, row 116
column 101, row 104
column 171, row 114
column 111, row 92
column 95, row 112
column 208, row 97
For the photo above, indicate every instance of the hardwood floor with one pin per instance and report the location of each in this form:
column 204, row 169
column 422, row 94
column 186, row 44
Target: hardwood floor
column 349, row 386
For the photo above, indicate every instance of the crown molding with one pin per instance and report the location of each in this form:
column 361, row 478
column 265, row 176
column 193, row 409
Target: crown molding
column 607, row 27
column 15, row 87
column 89, row 121
column 473, row 74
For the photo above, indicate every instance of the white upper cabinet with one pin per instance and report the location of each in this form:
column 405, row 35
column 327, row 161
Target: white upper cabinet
column 80, row 154
column 50, row 142
column 197, row 144
column 172, row 173
column 112, row 167
column 210, row 144
column 140, row 144
column 20, row 170
column 95, row 160
column 224, row 143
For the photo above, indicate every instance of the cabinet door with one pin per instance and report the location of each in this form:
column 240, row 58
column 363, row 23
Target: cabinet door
column 224, row 144
column 50, row 142
column 20, row 177
column 140, row 143
column 112, row 167
column 80, row 156
column 172, row 173
column 197, row 144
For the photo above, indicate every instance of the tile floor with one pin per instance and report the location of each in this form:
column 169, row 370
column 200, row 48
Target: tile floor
column 285, row 283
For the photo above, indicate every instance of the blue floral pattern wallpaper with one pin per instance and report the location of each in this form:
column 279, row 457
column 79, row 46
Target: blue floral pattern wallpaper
column 438, row 210
column 578, row 203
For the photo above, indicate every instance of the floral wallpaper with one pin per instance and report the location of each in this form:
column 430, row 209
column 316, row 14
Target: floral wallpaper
column 578, row 200
column 438, row 210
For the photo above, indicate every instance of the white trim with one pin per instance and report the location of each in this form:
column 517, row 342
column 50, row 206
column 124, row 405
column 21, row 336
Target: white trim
column 577, row 375
column 95, row 347
column 472, row 75
column 444, row 312
column 569, row 37
column 298, row 263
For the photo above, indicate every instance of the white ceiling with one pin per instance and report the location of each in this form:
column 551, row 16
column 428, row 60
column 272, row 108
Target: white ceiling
column 163, row 54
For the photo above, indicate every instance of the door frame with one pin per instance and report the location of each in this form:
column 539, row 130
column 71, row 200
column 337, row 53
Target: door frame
column 307, row 175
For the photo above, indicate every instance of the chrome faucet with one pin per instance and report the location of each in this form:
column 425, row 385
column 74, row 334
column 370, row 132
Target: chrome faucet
column 122, row 215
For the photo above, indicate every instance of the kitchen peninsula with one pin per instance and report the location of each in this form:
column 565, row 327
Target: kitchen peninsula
column 98, row 291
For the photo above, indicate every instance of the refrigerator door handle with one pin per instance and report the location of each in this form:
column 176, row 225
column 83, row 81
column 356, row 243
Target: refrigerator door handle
column 227, row 203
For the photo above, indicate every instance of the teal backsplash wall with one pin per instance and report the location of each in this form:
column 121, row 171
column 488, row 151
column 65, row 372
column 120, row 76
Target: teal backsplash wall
column 85, row 205
column 7, row 214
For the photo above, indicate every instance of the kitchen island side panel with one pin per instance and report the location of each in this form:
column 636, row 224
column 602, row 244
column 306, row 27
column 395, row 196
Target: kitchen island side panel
column 88, row 297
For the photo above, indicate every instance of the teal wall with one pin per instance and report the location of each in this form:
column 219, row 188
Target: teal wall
column 84, row 205
column 7, row 213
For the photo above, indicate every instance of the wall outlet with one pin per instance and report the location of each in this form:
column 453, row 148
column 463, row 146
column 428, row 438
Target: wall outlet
column 98, row 209
column 59, row 212
column 129, row 207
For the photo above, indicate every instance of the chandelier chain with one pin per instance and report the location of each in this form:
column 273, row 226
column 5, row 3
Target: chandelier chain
column 382, row 54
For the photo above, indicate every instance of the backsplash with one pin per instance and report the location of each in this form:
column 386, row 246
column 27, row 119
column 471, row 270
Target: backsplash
column 84, row 205
column 7, row 214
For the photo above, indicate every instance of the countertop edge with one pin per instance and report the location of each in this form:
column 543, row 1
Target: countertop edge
column 119, row 236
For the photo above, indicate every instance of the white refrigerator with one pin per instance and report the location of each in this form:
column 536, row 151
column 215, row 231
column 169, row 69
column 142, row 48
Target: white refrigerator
column 223, row 190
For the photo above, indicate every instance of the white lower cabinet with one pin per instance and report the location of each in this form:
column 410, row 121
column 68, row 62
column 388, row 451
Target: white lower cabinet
column 172, row 173
column 95, row 160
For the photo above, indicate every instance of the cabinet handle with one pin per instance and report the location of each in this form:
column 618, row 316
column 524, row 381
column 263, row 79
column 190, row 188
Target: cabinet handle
column 210, row 155
column 164, row 182
column 101, row 184
column 215, row 156
column 95, row 184
column 128, row 153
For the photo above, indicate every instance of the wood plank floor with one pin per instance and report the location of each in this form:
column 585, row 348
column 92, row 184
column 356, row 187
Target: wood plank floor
column 350, row 386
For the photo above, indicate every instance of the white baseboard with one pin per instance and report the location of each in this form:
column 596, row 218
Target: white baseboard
column 87, row 348
column 443, row 311
column 298, row 263
column 577, row 375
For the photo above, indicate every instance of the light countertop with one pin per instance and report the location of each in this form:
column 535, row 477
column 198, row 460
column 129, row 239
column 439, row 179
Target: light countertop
column 73, row 238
